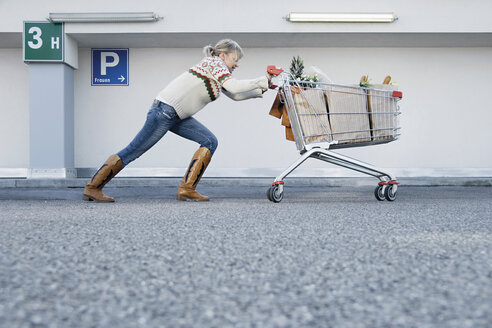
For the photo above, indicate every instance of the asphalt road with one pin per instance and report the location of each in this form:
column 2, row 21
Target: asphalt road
column 323, row 257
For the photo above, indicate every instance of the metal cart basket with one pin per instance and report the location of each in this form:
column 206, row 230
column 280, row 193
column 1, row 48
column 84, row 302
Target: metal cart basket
column 326, row 116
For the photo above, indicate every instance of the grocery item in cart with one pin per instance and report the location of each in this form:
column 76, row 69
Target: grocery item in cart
column 382, row 111
column 289, row 134
column 277, row 106
column 349, row 118
column 309, row 102
column 278, row 110
column 312, row 113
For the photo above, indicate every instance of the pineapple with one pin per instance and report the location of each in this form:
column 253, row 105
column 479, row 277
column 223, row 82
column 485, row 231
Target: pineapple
column 297, row 67
column 297, row 72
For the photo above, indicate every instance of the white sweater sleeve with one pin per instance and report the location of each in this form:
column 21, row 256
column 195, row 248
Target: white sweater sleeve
column 255, row 93
column 238, row 86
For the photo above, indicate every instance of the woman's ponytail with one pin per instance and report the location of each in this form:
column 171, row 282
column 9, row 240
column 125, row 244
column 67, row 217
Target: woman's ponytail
column 209, row 51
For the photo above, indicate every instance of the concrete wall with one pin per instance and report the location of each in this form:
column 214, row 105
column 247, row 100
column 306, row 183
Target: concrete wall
column 439, row 53
column 444, row 122
column 14, row 110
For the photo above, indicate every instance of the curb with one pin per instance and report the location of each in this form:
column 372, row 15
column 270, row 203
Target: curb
column 248, row 182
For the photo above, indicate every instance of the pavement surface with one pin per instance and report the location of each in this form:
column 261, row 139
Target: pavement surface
column 323, row 257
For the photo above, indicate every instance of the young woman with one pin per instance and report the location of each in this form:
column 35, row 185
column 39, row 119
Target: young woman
column 172, row 110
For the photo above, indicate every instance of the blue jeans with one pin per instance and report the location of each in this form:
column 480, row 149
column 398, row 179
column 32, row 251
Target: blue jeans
column 160, row 119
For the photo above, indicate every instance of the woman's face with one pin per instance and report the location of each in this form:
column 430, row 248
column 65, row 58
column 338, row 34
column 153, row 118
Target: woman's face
column 230, row 59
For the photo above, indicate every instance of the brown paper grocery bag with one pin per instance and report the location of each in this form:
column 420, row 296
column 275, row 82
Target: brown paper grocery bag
column 315, row 127
column 382, row 110
column 348, row 114
column 285, row 117
column 276, row 109
column 289, row 135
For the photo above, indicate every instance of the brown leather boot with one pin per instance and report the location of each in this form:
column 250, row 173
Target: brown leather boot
column 93, row 190
column 198, row 164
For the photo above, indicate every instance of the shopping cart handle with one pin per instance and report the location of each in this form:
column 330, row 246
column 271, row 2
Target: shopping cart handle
column 397, row 94
column 272, row 70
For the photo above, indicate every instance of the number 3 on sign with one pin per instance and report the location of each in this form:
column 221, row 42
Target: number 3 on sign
column 36, row 32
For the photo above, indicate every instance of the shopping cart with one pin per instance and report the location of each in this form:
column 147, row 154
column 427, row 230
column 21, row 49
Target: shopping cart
column 326, row 116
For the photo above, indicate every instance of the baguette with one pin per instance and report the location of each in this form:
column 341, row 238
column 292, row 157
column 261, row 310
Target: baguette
column 387, row 80
column 364, row 81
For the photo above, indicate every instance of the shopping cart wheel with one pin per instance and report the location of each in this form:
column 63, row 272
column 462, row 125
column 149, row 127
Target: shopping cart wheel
column 379, row 192
column 390, row 193
column 274, row 194
column 269, row 194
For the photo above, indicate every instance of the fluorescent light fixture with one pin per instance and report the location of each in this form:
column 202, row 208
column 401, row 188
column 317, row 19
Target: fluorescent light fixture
column 342, row 17
column 103, row 17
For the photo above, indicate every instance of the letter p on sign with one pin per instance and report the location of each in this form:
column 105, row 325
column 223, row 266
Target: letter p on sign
column 105, row 63
column 110, row 67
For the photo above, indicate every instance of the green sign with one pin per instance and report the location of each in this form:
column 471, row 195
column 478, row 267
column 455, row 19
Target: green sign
column 43, row 42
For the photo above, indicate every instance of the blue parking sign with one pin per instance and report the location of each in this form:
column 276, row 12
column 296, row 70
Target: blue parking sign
column 109, row 67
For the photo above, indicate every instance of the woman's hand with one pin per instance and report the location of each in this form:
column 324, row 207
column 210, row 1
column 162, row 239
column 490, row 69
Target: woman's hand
column 269, row 77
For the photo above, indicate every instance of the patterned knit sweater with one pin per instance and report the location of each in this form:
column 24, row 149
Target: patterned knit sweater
column 203, row 83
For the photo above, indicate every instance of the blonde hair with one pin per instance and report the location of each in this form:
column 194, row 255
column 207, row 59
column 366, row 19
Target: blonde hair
column 223, row 46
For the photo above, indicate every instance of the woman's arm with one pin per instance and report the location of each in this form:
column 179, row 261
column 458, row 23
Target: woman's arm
column 255, row 93
column 239, row 86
